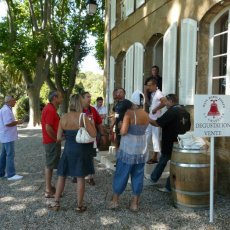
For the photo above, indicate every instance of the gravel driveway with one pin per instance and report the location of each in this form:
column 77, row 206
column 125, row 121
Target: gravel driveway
column 23, row 206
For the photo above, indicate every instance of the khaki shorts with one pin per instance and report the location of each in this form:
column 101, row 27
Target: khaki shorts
column 53, row 153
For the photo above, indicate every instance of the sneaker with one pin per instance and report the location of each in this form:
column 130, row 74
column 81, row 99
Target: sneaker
column 15, row 177
column 164, row 190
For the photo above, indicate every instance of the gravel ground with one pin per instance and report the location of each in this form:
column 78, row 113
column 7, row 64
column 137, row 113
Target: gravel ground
column 23, row 206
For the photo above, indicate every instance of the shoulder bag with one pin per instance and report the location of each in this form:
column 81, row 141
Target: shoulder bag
column 82, row 134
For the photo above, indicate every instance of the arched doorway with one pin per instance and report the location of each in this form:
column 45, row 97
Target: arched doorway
column 153, row 54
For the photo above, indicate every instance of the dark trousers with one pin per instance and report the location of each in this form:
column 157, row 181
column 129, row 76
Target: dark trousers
column 165, row 157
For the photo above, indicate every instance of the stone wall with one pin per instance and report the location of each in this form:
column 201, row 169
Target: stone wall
column 154, row 18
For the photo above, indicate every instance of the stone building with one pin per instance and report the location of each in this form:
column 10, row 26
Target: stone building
column 190, row 42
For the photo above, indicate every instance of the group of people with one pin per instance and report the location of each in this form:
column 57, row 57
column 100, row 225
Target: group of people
column 134, row 129
column 76, row 161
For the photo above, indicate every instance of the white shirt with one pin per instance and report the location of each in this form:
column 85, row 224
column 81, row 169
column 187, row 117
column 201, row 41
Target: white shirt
column 155, row 101
column 7, row 134
column 101, row 110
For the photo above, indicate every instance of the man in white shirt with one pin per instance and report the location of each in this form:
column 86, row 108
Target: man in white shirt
column 8, row 135
column 152, row 132
column 100, row 108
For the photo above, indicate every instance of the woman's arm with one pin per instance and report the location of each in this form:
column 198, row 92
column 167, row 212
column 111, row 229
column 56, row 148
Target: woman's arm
column 90, row 127
column 59, row 132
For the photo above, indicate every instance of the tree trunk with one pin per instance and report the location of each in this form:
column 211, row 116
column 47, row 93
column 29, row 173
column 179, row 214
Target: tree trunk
column 34, row 102
column 65, row 103
column 34, row 87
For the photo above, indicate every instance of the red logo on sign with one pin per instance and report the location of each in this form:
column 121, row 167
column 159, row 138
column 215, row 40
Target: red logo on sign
column 213, row 111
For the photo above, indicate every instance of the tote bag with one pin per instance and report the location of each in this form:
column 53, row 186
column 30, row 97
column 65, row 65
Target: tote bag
column 82, row 134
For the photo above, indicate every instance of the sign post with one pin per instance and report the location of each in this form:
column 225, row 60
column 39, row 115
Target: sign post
column 211, row 119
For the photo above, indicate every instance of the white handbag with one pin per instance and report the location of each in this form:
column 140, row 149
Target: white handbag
column 82, row 134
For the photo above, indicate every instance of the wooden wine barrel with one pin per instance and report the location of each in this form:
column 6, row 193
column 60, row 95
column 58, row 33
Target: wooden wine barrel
column 190, row 178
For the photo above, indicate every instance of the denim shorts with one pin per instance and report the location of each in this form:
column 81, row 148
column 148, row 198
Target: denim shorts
column 53, row 153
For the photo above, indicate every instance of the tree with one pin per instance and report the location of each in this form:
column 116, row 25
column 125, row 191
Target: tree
column 92, row 83
column 68, row 46
column 98, row 30
column 10, row 84
column 37, row 33
column 24, row 46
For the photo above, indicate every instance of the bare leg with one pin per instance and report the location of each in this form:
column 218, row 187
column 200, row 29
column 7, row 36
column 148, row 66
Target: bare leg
column 55, row 206
column 59, row 187
column 134, row 206
column 115, row 198
column 80, row 191
column 114, row 202
column 48, row 179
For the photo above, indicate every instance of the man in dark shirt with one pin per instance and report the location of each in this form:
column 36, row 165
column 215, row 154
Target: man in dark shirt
column 120, row 109
column 169, row 122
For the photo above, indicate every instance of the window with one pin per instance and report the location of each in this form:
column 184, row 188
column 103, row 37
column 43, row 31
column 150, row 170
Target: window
column 219, row 67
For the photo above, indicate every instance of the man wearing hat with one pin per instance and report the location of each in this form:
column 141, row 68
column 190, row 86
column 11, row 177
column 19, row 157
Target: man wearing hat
column 8, row 135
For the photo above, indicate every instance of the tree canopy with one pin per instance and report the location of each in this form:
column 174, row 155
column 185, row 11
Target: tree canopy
column 46, row 41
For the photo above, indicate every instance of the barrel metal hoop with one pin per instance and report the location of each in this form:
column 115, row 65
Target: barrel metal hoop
column 185, row 165
column 183, row 150
column 198, row 206
column 190, row 193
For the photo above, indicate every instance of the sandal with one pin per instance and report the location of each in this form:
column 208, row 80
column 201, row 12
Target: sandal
column 152, row 161
column 134, row 207
column 50, row 194
column 113, row 205
column 81, row 209
column 90, row 181
column 55, row 206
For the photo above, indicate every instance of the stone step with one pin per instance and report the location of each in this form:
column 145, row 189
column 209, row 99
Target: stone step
column 109, row 160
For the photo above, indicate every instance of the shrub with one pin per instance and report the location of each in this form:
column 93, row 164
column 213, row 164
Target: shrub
column 22, row 108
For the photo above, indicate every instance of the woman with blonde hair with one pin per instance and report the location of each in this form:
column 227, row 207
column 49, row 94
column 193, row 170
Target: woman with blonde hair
column 76, row 157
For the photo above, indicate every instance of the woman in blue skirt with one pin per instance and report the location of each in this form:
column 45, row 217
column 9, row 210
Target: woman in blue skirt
column 76, row 160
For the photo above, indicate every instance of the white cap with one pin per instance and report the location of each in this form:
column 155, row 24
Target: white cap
column 138, row 98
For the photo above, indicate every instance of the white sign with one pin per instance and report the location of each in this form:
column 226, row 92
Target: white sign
column 212, row 115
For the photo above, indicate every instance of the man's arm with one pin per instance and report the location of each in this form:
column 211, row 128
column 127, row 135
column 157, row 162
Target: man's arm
column 50, row 131
column 153, row 122
column 160, row 106
column 13, row 123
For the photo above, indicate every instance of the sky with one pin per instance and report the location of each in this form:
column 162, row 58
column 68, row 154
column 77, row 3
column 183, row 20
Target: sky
column 88, row 64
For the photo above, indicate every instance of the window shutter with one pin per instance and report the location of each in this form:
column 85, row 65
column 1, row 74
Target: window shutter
column 169, row 60
column 138, row 66
column 111, row 78
column 139, row 3
column 129, row 7
column 129, row 72
column 187, row 61
column 113, row 14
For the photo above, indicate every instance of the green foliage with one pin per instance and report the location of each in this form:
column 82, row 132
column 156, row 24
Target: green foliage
column 10, row 83
column 92, row 83
column 44, row 93
column 22, row 108
column 30, row 34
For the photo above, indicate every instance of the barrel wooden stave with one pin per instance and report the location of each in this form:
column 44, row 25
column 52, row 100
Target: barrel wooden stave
column 189, row 177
